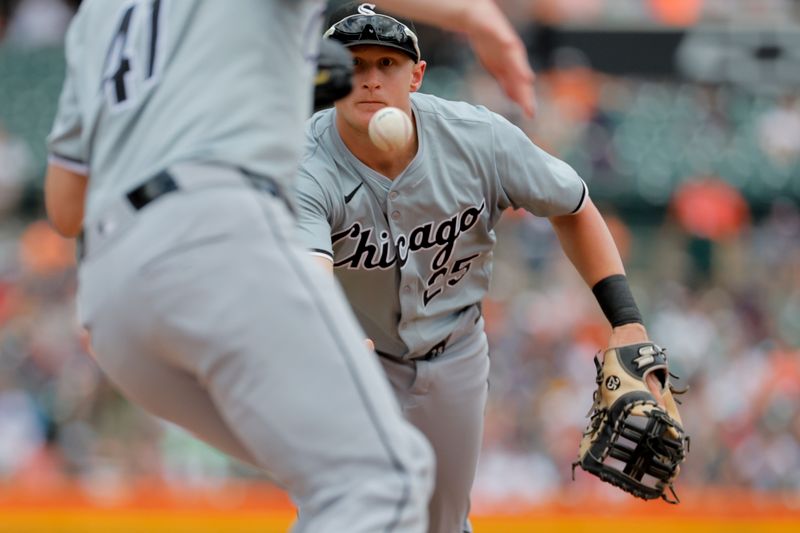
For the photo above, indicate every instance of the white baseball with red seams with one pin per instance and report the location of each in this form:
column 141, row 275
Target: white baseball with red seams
column 390, row 129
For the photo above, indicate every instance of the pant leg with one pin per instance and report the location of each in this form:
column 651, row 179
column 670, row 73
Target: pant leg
column 231, row 304
column 446, row 398
column 164, row 390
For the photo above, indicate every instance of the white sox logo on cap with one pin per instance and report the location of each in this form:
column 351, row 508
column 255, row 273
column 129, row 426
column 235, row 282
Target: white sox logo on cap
column 366, row 9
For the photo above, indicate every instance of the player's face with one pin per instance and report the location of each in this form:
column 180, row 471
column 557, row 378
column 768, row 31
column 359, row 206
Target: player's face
column 382, row 77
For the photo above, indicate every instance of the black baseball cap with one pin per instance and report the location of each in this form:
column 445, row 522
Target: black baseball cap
column 357, row 23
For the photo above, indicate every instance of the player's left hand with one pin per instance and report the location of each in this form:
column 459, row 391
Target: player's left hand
column 635, row 439
column 633, row 334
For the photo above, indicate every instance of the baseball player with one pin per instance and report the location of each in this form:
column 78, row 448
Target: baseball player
column 409, row 234
column 178, row 188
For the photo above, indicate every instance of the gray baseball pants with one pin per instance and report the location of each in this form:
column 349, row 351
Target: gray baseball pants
column 445, row 398
column 204, row 311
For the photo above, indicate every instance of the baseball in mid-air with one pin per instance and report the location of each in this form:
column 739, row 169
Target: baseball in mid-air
column 390, row 129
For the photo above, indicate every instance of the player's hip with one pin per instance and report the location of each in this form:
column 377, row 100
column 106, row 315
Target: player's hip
column 186, row 198
column 166, row 217
column 455, row 384
column 465, row 360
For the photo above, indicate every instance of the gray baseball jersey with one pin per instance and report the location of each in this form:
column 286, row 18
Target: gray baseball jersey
column 202, row 306
column 113, row 124
column 414, row 254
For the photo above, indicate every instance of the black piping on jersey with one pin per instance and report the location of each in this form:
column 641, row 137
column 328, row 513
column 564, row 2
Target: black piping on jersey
column 69, row 159
column 580, row 203
column 326, row 253
column 371, row 414
column 70, row 163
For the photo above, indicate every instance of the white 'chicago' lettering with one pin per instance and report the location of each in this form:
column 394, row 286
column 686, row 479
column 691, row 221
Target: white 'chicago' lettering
column 383, row 254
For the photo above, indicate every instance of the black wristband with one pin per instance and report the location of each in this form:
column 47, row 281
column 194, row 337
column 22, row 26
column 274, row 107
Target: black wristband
column 614, row 296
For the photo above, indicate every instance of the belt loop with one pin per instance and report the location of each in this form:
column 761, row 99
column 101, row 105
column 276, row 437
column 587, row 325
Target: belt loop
column 268, row 184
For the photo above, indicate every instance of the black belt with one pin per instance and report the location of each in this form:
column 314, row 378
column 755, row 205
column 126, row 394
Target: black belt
column 151, row 190
column 433, row 353
column 163, row 183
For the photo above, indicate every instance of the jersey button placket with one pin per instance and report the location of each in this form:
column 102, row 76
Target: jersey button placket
column 396, row 215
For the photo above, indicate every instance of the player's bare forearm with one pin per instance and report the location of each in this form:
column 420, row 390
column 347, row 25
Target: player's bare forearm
column 464, row 16
column 588, row 243
column 494, row 40
column 64, row 196
column 447, row 13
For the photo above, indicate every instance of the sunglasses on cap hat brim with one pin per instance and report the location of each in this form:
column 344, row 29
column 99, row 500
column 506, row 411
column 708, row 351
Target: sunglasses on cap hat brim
column 375, row 29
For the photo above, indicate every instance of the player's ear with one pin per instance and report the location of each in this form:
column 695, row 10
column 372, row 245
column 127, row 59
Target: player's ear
column 416, row 76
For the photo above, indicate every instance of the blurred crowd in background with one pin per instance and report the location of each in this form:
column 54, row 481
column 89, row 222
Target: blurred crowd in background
column 697, row 170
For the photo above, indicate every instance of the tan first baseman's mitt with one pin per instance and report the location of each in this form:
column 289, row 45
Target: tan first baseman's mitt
column 631, row 441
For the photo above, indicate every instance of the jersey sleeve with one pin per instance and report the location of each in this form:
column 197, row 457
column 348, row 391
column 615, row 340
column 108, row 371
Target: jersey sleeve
column 313, row 215
column 531, row 178
column 66, row 144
